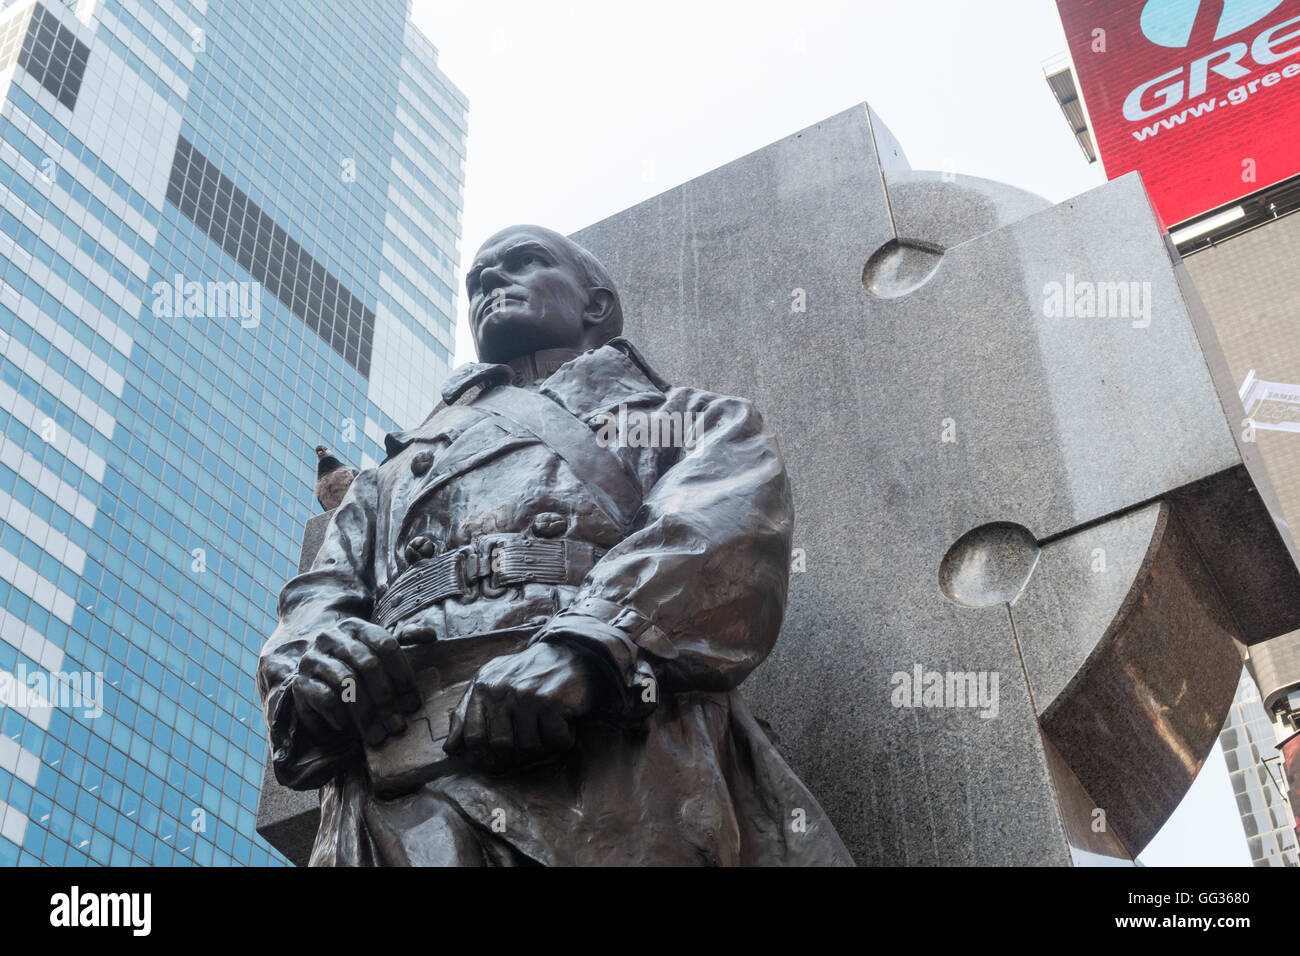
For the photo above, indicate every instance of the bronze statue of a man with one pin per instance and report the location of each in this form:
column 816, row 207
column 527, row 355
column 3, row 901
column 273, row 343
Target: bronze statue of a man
column 521, row 639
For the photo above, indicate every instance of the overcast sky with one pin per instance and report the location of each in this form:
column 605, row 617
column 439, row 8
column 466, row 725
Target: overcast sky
column 581, row 109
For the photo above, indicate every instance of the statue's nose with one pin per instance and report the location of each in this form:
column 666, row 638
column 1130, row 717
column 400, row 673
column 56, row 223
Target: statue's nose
column 491, row 278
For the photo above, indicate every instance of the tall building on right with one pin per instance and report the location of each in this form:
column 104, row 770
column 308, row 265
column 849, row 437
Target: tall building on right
column 1203, row 100
column 1243, row 269
column 1258, row 779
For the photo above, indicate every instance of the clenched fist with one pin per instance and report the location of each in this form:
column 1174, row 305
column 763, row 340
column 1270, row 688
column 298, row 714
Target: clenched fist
column 521, row 707
column 354, row 681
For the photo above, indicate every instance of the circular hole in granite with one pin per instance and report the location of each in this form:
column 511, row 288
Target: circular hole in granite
column 900, row 267
column 989, row 565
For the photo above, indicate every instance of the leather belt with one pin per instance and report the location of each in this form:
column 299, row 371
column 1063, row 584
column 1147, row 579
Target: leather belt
column 492, row 561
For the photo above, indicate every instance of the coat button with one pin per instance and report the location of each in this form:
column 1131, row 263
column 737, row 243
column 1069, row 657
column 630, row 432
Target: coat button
column 421, row 463
column 548, row 524
column 419, row 547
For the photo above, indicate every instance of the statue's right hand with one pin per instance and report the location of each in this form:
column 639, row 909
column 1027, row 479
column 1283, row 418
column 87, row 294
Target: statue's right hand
column 354, row 681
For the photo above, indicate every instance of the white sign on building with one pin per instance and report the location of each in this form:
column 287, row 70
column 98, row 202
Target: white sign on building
column 1272, row 406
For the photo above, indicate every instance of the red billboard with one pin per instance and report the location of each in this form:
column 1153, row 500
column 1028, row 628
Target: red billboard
column 1202, row 97
column 1291, row 765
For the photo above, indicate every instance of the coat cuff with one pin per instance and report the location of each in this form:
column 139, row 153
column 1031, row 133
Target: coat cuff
column 621, row 640
column 298, row 763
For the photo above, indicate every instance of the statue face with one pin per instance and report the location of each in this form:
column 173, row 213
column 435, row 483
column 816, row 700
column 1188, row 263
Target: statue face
column 527, row 293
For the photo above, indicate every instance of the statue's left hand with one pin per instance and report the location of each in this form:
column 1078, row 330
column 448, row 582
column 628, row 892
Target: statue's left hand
column 521, row 707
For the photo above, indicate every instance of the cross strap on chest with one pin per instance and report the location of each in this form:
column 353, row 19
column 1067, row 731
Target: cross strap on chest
column 599, row 468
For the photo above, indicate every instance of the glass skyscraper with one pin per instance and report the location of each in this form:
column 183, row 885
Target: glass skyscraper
column 1258, row 779
column 228, row 232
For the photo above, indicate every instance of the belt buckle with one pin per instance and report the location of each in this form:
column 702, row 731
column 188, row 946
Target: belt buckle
column 477, row 569
column 467, row 572
column 489, row 584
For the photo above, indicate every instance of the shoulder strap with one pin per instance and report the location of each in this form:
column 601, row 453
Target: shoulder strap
column 597, row 466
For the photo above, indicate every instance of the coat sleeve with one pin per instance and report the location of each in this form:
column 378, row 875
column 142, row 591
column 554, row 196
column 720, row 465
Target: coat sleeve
column 339, row 585
column 693, row 598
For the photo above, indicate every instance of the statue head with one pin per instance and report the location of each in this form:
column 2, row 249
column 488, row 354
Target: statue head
column 531, row 288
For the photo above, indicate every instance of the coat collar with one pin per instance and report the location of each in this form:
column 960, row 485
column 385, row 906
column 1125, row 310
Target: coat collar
column 603, row 377
column 524, row 370
column 581, row 381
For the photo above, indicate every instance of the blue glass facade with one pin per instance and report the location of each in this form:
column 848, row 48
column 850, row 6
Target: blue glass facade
column 1257, row 775
column 227, row 235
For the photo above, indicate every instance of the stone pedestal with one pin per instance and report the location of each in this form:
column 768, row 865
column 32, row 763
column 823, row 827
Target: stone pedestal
column 287, row 819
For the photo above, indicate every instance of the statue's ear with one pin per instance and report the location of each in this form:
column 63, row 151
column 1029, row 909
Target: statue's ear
column 600, row 306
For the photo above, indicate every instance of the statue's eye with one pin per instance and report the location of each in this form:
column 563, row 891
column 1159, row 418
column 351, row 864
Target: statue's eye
column 525, row 259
